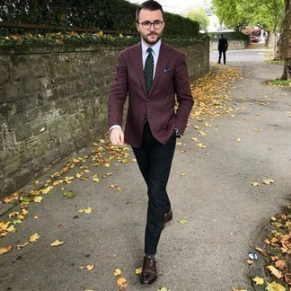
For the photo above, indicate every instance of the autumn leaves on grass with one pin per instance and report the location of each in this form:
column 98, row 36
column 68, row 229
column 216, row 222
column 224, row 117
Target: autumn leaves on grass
column 277, row 253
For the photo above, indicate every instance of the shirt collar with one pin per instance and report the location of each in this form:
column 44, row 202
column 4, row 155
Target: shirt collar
column 155, row 47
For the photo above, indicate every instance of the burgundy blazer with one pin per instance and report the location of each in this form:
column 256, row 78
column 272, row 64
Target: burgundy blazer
column 164, row 115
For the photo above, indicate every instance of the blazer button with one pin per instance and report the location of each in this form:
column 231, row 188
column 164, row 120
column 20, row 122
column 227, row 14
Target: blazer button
column 147, row 100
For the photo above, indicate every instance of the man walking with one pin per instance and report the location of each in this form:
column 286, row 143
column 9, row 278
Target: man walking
column 222, row 48
column 155, row 78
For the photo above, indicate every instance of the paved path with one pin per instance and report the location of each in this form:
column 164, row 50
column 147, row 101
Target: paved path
column 224, row 212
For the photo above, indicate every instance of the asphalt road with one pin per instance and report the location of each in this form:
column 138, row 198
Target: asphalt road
column 255, row 53
column 210, row 188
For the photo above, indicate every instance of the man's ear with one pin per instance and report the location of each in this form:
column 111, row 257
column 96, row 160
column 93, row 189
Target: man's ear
column 137, row 28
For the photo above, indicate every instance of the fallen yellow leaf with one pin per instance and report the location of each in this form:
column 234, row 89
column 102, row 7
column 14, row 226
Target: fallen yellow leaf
column 275, row 287
column 202, row 132
column 268, row 181
column 5, row 250
column 56, row 243
column 255, row 184
column 34, row 237
column 90, row 267
column 117, row 272
column 12, row 214
column 206, row 124
column 275, row 272
column 24, row 211
column 201, row 146
column 262, row 251
column 38, row 199
column 56, row 183
column 20, row 246
column 122, row 283
column 11, row 228
column 35, row 192
column 138, row 271
column 182, row 221
column 11, row 198
column 47, row 190
column 4, row 225
column 87, row 210
column 258, row 280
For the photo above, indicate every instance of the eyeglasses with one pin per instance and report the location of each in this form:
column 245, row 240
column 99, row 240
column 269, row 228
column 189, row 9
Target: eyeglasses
column 157, row 24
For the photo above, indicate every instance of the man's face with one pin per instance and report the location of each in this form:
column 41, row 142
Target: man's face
column 151, row 35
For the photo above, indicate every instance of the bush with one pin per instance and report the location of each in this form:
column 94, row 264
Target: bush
column 110, row 15
column 233, row 35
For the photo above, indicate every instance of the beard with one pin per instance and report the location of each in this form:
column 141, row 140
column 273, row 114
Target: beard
column 148, row 37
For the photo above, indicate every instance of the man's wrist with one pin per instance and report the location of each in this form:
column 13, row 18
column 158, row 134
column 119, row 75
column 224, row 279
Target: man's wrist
column 114, row 126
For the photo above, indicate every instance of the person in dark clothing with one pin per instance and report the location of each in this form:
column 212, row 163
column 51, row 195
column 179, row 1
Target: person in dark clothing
column 154, row 78
column 222, row 48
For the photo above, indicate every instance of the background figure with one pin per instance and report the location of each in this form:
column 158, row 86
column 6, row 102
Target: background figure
column 154, row 76
column 222, row 48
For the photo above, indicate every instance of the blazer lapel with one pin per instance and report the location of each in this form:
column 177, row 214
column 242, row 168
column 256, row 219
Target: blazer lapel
column 161, row 64
column 137, row 62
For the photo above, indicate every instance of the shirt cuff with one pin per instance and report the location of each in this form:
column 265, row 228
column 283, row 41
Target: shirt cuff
column 114, row 126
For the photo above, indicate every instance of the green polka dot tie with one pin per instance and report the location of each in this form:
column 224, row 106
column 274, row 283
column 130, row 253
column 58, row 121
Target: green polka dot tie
column 149, row 69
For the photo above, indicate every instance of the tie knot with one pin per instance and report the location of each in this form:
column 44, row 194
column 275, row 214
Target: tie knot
column 149, row 50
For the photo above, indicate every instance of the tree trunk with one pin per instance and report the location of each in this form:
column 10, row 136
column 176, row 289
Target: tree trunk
column 286, row 41
column 271, row 40
column 278, row 51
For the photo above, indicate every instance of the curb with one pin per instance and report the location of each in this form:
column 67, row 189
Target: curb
column 257, row 267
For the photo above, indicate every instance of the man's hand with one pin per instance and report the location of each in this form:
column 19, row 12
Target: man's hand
column 117, row 137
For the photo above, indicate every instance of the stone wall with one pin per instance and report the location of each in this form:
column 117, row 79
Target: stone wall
column 53, row 103
column 232, row 45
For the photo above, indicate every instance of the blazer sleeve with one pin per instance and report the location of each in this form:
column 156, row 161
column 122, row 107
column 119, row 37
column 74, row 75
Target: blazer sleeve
column 118, row 92
column 183, row 94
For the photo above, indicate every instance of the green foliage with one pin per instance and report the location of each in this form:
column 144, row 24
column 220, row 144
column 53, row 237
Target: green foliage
column 106, row 15
column 178, row 25
column 60, row 38
column 227, row 13
column 282, row 83
column 229, row 35
column 200, row 16
column 241, row 13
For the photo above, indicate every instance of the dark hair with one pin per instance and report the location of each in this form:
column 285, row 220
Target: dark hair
column 149, row 5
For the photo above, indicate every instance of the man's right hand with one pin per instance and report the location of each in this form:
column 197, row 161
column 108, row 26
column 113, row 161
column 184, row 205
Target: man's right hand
column 117, row 137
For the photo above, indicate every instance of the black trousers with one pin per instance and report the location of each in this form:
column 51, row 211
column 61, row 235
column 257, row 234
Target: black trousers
column 154, row 160
column 224, row 56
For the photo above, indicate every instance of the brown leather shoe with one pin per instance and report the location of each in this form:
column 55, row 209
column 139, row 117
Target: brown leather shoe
column 149, row 271
column 169, row 216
